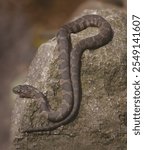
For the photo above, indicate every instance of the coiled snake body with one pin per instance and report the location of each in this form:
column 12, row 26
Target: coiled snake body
column 69, row 68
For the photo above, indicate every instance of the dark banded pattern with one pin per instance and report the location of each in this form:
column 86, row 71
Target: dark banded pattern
column 69, row 69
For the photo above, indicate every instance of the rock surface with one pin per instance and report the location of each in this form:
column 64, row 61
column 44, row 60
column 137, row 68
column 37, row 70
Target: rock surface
column 101, row 122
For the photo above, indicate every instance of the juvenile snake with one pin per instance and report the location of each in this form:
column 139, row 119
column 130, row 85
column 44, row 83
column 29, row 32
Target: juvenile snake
column 69, row 68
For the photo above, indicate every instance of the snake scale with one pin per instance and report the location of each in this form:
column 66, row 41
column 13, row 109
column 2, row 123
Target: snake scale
column 69, row 70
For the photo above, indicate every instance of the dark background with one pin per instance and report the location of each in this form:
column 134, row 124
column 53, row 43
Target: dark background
column 24, row 25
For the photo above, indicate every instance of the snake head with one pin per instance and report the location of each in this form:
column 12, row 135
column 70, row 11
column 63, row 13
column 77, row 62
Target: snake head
column 27, row 91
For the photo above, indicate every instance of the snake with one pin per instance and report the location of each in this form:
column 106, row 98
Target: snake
column 69, row 61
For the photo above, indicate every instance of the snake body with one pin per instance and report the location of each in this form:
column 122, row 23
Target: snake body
column 69, row 67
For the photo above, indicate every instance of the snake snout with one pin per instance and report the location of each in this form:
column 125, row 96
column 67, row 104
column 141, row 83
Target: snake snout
column 16, row 89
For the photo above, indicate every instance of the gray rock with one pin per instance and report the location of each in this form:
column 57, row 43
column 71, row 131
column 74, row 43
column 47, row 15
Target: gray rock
column 101, row 122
